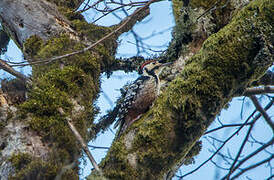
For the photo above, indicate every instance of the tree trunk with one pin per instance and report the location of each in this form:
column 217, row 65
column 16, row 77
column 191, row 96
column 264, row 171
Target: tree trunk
column 216, row 58
column 36, row 142
column 225, row 65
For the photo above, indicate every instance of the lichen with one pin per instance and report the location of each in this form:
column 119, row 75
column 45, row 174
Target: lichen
column 72, row 87
column 228, row 61
column 177, row 6
column 181, row 34
column 66, row 3
column 28, row 167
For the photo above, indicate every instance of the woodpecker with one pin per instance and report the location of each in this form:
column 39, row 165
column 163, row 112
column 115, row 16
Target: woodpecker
column 137, row 97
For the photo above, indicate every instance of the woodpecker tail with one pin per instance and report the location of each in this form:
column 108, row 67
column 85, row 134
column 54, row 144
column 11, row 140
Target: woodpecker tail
column 107, row 119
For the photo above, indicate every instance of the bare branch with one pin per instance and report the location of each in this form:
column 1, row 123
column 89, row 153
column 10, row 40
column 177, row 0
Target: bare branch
column 228, row 139
column 225, row 126
column 97, row 147
column 252, row 167
column 122, row 27
column 241, row 148
column 251, row 155
column 86, row 7
column 109, row 11
column 6, row 67
column 81, row 141
column 216, row 152
column 262, row 111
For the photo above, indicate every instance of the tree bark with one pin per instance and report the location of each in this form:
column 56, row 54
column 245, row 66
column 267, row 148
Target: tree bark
column 36, row 142
column 215, row 59
column 226, row 64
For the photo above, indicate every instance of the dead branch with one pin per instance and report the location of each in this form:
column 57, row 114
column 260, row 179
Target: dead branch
column 6, row 67
column 258, row 90
column 81, row 141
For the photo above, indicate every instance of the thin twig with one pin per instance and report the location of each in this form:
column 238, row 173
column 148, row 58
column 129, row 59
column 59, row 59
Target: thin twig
column 241, row 148
column 225, row 126
column 251, row 155
column 108, row 11
column 128, row 20
column 81, row 141
column 97, row 147
column 262, row 111
column 216, row 152
column 252, row 167
column 6, row 67
column 235, row 133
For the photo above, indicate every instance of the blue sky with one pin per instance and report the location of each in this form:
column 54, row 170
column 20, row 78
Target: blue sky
column 161, row 20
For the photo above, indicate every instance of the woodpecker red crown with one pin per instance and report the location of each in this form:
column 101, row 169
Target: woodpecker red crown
column 144, row 64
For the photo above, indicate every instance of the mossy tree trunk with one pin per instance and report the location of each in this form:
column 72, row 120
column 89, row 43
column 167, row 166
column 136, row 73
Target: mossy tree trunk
column 35, row 137
column 217, row 57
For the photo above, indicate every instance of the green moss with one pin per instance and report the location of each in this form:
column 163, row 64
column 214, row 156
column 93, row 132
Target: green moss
column 227, row 62
column 177, row 6
column 66, row 3
column 204, row 4
column 54, row 87
column 182, row 34
column 118, row 149
column 70, row 174
column 53, row 90
column 32, row 45
column 106, row 49
column 27, row 167
column 71, row 83
column 70, row 13
column 92, row 31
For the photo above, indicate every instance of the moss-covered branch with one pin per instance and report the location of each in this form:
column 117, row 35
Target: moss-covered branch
column 228, row 62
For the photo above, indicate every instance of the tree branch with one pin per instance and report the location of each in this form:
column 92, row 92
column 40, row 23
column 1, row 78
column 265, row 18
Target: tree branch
column 181, row 114
column 262, row 111
column 266, row 79
column 81, row 141
column 252, row 167
column 258, row 90
column 219, row 149
column 122, row 27
column 269, row 143
column 241, row 149
column 125, row 64
column 6, row 67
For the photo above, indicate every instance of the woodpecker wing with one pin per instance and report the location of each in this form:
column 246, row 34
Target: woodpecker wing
column 129, row 94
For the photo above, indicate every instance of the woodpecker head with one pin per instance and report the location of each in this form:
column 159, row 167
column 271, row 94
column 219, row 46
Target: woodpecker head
column 152, row 68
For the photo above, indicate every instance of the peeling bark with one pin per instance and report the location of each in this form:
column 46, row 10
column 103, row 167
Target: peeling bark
column 26, row 18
